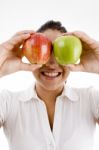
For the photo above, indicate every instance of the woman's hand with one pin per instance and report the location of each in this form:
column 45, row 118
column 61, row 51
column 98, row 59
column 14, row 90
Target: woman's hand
column 11, row 54
column 89, row 60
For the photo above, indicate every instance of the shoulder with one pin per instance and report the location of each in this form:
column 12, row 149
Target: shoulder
column 85, row 91
column 78, row 94
column 88, row 97
column 11, row 100
column 90, row 92
column 22, row 95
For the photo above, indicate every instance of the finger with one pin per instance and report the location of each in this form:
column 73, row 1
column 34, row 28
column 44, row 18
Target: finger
column 10, row 44
column 29, row 67
column 75, row 67
column 67, row 33
column 87, row 40
column 17, row 40
column 84, row 37
column 81, row 35
column 25, row 32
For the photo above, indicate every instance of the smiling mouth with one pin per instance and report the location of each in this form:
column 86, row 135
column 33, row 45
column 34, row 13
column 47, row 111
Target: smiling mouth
column 51, row 74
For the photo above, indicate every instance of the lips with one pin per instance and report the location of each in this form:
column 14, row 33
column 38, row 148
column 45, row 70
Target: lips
column 51, row 74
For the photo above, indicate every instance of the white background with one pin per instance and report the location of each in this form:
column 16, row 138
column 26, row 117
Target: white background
column 30, row 14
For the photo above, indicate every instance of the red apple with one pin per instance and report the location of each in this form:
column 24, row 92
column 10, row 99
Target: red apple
column 37, row 49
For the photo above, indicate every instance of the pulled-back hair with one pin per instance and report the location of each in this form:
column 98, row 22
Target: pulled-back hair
column 54, row 25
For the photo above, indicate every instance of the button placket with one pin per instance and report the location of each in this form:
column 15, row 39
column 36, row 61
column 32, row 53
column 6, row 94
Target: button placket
column 57, row 120
column 51, row 145
column 46, row 126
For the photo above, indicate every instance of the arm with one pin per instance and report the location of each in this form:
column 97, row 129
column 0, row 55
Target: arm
column 10, row 62
column 89, row 62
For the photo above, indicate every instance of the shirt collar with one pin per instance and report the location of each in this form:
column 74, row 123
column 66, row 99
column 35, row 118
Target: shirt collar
column 69, row 92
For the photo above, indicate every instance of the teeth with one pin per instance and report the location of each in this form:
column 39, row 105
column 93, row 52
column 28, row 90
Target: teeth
column 54, row 74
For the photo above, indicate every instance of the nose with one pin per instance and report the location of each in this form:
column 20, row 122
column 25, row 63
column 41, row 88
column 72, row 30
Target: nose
column 52, row 61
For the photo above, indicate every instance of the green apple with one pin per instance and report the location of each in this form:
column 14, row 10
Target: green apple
column 67, row 49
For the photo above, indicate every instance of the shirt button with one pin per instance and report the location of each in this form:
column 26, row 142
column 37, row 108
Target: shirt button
column 51, row 146
column 50, row 143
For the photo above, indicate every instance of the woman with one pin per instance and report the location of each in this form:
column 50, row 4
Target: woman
column 49, row 115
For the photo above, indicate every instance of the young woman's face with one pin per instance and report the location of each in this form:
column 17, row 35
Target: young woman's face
column 51, row 76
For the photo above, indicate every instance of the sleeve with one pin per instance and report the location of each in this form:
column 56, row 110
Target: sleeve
column 94, row 96
column 4, row 106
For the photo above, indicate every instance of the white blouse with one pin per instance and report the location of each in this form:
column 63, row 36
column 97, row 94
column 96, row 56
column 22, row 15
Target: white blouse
column 25, row 120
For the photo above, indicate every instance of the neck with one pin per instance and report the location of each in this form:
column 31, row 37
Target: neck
column 48, row 96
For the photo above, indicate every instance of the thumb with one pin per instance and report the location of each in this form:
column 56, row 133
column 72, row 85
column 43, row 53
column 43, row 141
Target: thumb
column 29, row 67
column 75, row 67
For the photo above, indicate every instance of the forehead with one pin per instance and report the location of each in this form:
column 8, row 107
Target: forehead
column 52, row 34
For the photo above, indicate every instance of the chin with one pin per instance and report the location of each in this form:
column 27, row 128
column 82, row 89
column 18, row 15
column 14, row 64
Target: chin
column 52, row 87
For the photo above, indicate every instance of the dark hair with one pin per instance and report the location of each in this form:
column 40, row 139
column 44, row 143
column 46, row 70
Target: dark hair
column 54, row 25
